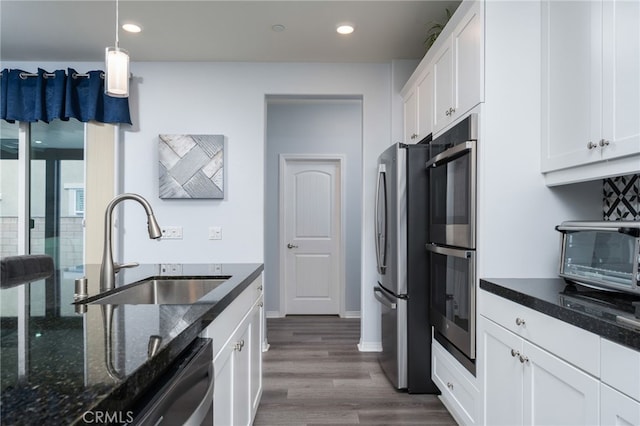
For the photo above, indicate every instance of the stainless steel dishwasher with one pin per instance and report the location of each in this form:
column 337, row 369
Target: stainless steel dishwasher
column 185, row 393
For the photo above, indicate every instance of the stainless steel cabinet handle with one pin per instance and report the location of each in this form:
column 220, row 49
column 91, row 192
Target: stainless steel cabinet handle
column 523, row 359
column 603, row 142
column 450, row 385
column 520, row 321
column 259, row 288
column 239, row 345
column 592, row 145
column 290, row 246
column 414, row 136
column 514, row 353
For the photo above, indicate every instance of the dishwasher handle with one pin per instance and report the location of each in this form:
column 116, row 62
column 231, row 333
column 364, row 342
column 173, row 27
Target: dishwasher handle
column 201, row 411
column 186, row 390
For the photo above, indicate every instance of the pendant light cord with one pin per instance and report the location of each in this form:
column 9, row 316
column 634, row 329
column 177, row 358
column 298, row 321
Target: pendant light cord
column 117, row 27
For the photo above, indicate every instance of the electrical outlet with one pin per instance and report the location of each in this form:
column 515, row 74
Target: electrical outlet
column 171, row 269
column 215, row 233
column 172, row 232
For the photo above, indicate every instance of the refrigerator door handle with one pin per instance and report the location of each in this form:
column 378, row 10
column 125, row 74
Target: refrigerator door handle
column 380, row 256
column 383, row 298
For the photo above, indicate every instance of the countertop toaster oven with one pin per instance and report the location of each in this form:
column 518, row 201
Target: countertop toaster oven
column 601, row 254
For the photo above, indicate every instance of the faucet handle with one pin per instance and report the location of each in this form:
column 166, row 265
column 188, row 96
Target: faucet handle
column 118, row 266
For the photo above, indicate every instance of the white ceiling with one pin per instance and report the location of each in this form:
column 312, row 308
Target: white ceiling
column 211, row 30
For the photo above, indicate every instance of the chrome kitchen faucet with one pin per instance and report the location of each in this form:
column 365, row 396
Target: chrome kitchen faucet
column 108, row 269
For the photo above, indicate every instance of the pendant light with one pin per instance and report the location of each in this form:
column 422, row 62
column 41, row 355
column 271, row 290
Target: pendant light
column 117, row 68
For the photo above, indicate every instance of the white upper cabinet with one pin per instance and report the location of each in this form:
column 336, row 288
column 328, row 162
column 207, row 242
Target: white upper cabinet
column 410, row 114
column 590, row 86
column 425, row 105
column 621, row 77
column 418, row 109
column 449, row 81
column 457, row 70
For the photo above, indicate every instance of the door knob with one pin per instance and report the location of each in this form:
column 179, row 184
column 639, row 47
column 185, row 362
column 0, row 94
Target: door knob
column 291, row 246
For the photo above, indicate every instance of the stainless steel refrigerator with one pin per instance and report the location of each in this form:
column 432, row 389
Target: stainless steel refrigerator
column 403, row 288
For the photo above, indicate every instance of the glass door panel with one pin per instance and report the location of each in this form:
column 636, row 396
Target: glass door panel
column 8, row 189
column 57, row 191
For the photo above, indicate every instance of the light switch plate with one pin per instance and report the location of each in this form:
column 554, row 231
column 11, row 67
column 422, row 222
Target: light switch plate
column 215, row 233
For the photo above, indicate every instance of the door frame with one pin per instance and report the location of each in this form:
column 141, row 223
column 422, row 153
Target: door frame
column 340, row 160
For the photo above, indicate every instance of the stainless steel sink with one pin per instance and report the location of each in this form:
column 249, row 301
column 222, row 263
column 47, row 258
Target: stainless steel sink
column 160, row 291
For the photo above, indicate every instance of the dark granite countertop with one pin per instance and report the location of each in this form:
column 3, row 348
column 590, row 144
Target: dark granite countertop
column 58, row 364
column 585, row 307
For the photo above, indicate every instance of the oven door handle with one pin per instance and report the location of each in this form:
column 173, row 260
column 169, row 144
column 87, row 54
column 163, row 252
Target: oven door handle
column 451, row 154
column 463, row 254
column 383, row 298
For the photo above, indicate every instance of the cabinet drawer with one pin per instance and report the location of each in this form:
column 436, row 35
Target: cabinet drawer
column 573, row 344
column 226, row 323
column 621, row 368
column 458, row 393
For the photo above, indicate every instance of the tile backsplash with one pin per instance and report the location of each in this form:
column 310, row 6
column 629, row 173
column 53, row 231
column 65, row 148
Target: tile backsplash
column 621, row 198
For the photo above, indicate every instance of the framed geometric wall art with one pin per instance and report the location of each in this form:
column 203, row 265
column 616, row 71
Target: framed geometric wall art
column 191, row 166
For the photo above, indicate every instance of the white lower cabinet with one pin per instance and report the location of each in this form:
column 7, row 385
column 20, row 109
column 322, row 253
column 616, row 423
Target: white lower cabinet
column 620, row 388
column 525, row 384
column 459, row 394
column 617, row 408
column 237, row 339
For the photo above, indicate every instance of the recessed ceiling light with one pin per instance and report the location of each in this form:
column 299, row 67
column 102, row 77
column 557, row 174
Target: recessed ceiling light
column 278, row 28
column 132, row 28
column 344, row 29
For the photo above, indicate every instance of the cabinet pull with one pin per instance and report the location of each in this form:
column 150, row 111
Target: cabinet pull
column 260, row 288
column 523, row 359
column 238, row 346
column 261, row 304
column 519, row 321
column 603, row 143
column 450, row 385
column 592, row 145
column 414, row 136
column 514, row 353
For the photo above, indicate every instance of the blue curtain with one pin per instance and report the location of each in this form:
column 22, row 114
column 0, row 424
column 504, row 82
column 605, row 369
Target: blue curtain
column 59, row 95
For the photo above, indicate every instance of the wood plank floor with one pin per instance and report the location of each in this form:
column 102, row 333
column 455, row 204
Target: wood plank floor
column 315, row 375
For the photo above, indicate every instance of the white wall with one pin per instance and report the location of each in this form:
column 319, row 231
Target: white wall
column 517, row 213
column 315, row 126
column 229, row 99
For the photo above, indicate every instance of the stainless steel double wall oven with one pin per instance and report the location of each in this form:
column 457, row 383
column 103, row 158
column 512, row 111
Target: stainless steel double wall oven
column 452, row 239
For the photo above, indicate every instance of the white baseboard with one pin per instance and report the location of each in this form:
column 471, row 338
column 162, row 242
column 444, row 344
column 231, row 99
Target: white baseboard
column 370, row 346
column 274, row 314
column 351, row 314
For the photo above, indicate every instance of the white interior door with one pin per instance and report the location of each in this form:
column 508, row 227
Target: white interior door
column 311, row 232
